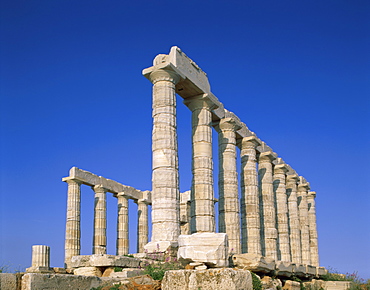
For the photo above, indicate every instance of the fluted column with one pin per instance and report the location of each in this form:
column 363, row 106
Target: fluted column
column 267, row 201
column 249, row 208
column 303, row 188
column 165, row 179
column 294, row 225
column 142, row 224
column 73, row 228
column 122, row 245
column 40, row 256
column 228, row 200
column 100, row 221
column 313, row 228
column 282, row 212
column 202, row 198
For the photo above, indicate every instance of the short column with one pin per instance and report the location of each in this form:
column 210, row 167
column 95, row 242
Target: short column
column 40, row 259
column 73, row 228
column 100, row 221
column 303, row 188
column 250, row 211
column 228, row 199
column 314, row 251
column 165, row 179
column 122, row 245
column 268, row 218
column 202, row 197
column 282, row 212
column 294, row 225
column 142, row 224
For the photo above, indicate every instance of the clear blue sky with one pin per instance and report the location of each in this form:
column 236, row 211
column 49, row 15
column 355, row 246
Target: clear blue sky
column 72, row 94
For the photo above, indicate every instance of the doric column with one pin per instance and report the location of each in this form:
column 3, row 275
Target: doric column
column 294, row 225
column 40, row 256
column 165, row 179
column 268, row 218
column 142, row 224
column 313, row 228
column 122, row 245
column 282, row 212
column 73, row 228
column 100, row 221
column 185, row 212
column 303, row 188
column 228, row 200
column 249, row 208
column 202, row 198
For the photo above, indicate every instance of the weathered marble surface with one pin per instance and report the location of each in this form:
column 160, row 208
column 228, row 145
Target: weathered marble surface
column 254, row 262
column 104, row 261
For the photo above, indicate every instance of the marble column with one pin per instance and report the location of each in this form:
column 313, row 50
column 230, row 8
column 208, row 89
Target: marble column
column 40, row 256
column 294, row 225
column 142, row 224
column 303, row 188
column 267, row 202
column 73, row 227
column 100, row 221
column 314, row 251
column 249, row 208
column 165, row 179
column 185, row 212
column 282, row 212
column 228, row 200
column 202, row 197
column 122, row 245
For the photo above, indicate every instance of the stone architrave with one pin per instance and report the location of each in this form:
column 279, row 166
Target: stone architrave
column 313, row 228
column 100, row 221
column 267, row 202
column 202, row 197
column 303, row 188
column 165, row 179
column 73, row 227
column 122, row 245
column 294, row 225
column 280, row 171
column 249, row 208
column 228, row 202
column 142, row 224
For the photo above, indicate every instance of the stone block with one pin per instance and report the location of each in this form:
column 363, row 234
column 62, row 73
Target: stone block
column 299, row 270
column 321, row 271
column 104, row 261
column 208, row 248
column 269, row 283
column 284, row 269
column 59, row 270
column 314, row 284
column 337, row 285
column 310, row 271
column 292, row 285
column 88, row 271
column 210, row 279
column 254, row 263
column 127, row 273
column 38, row 269
column 9, row 281
column 33, row 281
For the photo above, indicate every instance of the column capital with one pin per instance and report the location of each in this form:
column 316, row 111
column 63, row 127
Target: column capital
column 228, row 124
column 292, row 178
column 164, row 75
column 250, row 142
column 71, row 180
column 99, row 189
column 142, row 201
column 267, row 156
column 199, row 102
column 281, row 168
column 122, row 193
column 303, row 186
column 311, row 194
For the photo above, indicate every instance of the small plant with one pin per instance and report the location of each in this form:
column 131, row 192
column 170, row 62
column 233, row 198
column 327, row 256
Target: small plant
column 256, row 282
column 129, row 255
column 157, row 270
column 117, row 269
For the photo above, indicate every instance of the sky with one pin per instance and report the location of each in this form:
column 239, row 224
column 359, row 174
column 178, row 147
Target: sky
column 72, row 94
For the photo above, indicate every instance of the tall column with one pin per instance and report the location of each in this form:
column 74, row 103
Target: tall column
column 294, row 225
column 228, row 200
column 100, row 221
column 282, row 212
column 268, row 218
column 73, row 228
column 250, row 211
column 165, row 179
column 202, row 198
column 122, row 245
column 313, row 228
column 303, row 188
column 142, row 224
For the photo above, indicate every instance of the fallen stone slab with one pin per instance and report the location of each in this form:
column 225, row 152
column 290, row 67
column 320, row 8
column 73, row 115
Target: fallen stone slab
column 210, row 279
column 254, row 263
column 321, row 271
column 292, row 285
column 299, row 270
column 284, row 269
column 104, row 260
column 310, row 271
column 88, row 271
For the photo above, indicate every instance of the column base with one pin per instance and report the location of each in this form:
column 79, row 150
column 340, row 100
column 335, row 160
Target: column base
column 39, row 270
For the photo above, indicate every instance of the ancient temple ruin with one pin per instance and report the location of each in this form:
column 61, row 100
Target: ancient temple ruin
column 274, row 217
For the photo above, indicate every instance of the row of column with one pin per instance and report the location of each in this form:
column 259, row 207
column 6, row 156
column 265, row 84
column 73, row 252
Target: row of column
column 278, row 217
column 73, row 224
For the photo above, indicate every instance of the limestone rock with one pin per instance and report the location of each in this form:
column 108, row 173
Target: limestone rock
column 208, row 248
column 88, row 271
column 292, row 285
column 211, row 279
column 320, row 271
column 127, row 273
column 299, row 270
column 254, row 263
column 269, row 283
column 9, row 281
column 284, row 269
column 310, row 271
